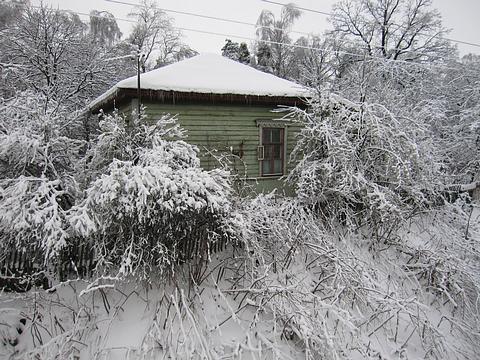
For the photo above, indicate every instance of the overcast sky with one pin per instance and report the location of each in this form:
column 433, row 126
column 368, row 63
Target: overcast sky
column 461, row 16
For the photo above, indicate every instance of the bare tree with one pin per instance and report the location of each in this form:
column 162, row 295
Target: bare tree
column 52, row 53
column 394, row 29
column 274, row 34
column 155, row 35
column 315, row 60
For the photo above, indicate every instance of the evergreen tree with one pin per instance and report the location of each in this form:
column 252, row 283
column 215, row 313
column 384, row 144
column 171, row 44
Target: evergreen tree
column 264, row 56
column 243, row 53
column 230, row 50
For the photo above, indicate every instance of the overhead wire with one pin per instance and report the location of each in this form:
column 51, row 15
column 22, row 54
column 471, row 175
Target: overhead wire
column 305, row 47
column 249, row 23
column 299, row 7
column 233, row 21
column 256, row 25
column 335, row 15
column 269, row 41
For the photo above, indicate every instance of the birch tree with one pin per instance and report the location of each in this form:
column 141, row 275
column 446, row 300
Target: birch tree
column 274, row 34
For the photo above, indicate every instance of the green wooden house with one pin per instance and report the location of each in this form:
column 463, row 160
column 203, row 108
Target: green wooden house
column 226, row 107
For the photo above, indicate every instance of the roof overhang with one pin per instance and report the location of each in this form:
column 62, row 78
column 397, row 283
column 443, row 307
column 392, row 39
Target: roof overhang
column 116, row 97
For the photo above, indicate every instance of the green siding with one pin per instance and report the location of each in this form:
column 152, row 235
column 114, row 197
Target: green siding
column 218, row 128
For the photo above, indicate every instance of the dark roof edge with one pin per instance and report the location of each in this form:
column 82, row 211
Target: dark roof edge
column 123, row 95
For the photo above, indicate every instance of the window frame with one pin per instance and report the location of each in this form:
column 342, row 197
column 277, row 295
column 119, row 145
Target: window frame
column 272, row 124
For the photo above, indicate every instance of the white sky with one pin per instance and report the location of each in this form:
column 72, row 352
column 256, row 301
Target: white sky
column 461, row 16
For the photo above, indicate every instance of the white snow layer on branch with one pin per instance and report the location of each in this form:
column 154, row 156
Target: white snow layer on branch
column 30, row 212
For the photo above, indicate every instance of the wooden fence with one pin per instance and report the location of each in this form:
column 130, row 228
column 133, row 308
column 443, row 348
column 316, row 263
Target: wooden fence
column 21, row 269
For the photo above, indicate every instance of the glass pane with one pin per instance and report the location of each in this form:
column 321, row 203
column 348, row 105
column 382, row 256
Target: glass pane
column 266, row 168
column 276, row 136
column 277, row 151
column 268, row 152
column 267, row 135
column 277, row 166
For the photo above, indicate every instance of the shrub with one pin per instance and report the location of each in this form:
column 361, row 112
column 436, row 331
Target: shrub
column 360, row 164
column 152, row 206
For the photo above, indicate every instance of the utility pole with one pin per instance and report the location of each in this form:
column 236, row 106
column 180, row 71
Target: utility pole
column 139, row 91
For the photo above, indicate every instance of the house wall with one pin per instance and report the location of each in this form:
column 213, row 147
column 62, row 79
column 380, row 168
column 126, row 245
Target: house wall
column 219, row 130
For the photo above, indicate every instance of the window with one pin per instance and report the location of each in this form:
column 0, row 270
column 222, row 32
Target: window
column 272, row 151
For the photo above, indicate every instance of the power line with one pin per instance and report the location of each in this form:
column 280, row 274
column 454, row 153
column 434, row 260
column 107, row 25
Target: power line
column 463, row 42
column 299, row 8
column 335, row 15
column 251, row 24
column 255, row 25
column 323, row 50
column 319, row 49
column 186, row 13
column 233, row 21
column 83, row 14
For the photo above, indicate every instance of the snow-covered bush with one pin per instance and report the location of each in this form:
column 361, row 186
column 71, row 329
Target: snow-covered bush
column 334, row 295
column 149, row 204
column 37, row 162
column 457, row 130
column 137, row 197
column 359, row 163
column 123, row 137
column 32, row 215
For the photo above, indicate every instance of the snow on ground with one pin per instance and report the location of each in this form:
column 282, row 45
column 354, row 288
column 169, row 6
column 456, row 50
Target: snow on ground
column 243, row 309
column 136, row 322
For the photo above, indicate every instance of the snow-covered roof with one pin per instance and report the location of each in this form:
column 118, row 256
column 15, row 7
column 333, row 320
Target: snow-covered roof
column 210, row 74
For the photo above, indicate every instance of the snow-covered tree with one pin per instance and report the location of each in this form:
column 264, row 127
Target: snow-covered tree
column 155, row 33
column 236, row 51
column 264, row 57
column 51, row 52
column 9, row 11
column 243, row 53
column 230, row 49
column 360, row 163
column 394, row 29
column 394, row 54
column 314, row 61
column 137, row 196
column 273, row 33
column 104, row 28
column 37, row 165
column 457, row 128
